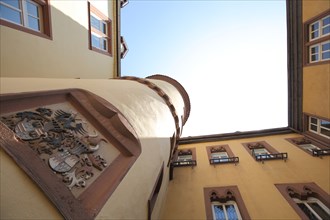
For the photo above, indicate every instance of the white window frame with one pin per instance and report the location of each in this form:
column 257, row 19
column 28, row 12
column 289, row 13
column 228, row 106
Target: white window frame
column 312, row 200
column 318, row 126
column 324, row 26
column 319, row 52
column 99, row 33
column 25, row 15
column 224, row 208
column 320, row 28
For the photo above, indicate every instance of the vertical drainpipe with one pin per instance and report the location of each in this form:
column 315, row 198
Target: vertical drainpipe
column 117, row 52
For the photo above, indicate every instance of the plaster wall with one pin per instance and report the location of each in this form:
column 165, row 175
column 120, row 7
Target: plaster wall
column 153, row 123
column 175, row 95
column 255, row 181
column 313, row 8
column 316, row 78
column 66, row 55
column 316, row 90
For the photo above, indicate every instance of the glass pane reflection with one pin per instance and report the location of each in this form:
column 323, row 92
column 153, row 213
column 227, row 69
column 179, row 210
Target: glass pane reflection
column 10, row 14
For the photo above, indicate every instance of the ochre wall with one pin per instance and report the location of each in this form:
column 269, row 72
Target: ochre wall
column 67, row 55
column 316, row 78
column 255, row 181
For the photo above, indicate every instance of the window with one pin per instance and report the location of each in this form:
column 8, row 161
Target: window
column 221, row 154
column 225, row 211
column 320, row 52
column 185, row 157
column 317, row 129
column 224, row 203
column 319, row 28
column 307, row 199
column 313, row 208
column 317, row 41
column 262, row 151
column 99, row 31
column 319, row 126
column 31, row 16
column 309, row 146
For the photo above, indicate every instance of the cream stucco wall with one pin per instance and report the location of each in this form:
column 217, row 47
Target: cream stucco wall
column 153, row 123
column 255, row 181
column 66, row 55
column 316, row 78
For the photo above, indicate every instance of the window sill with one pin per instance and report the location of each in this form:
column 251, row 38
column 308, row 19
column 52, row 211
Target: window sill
column 308, row 64
column 25, row 29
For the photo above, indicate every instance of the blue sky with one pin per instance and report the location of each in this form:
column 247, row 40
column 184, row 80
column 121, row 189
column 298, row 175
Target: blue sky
column 229, row 55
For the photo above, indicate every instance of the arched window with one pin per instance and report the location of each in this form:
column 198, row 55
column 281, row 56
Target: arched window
column 307, row 199
column 313, row 208
column 225, row 211
column 224, row 203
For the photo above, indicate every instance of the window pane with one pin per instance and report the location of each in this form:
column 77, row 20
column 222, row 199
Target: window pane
column 219, row 212
column 325, row 46
column 104, row 44
column 307, row 212
column 326, row 30
column 95, row 22
column 32, row 9
column 325, row 124
column 315, row 26
column 326, row 55
column 104, row 28
column 315, row 34
column 95, row 41
column 314, row 49
column 314, row 121
column 231, row 212
column 326, row 21
column 315, row 57
column 325, row 132
column 10, row 14
column 314, row 127
column 13, row 3
column 318, row 209
column 34, row 23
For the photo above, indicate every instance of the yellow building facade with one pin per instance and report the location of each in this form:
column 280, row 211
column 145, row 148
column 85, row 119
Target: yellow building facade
column 255, row 180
